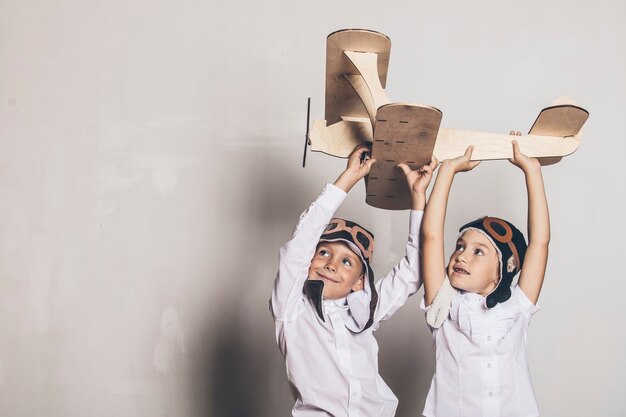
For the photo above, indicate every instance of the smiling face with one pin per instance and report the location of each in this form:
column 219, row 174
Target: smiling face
column 474, row 265
column 339, row 267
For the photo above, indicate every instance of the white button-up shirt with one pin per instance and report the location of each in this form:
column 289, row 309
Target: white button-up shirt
column 333, row 371
column 481, row 359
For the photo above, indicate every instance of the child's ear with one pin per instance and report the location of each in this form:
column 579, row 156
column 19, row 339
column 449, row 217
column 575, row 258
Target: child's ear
column 510, row 264
column 358, row 285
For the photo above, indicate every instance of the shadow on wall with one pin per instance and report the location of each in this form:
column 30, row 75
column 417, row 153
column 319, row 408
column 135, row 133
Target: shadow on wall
column 406, row 357
column 241, row 372
column 235, row 368
column 237, row 371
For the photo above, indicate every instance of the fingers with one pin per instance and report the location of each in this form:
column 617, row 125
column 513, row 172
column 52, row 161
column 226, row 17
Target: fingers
column 468, row 157
column 404, row 167
column 520, row 159
column 516, row 151
column 359, row 151
column 359, row 158
column 423, row 170
column 407, row 169
column 369, row 163
column 474, row 164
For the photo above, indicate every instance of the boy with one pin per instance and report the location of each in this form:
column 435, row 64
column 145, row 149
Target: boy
column 326, row 306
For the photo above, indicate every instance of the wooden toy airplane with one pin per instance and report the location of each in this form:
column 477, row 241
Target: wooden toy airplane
column 359, row 111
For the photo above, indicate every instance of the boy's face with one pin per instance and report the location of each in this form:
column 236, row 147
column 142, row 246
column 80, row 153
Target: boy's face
column 339, row 267
column 474, row 264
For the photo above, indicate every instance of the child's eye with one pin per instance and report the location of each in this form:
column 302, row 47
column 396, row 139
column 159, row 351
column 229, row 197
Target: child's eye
column 324, row 252
column 479, row 252
column 459, row 247
column 347, row 262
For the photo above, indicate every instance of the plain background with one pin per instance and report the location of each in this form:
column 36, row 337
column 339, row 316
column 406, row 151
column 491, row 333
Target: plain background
column 150, row 168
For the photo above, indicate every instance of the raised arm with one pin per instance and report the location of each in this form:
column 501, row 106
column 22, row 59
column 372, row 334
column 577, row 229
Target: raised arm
column 432, row 232
column 534, row 267
column 295, row 255
column 404, row 279
column 358, row 166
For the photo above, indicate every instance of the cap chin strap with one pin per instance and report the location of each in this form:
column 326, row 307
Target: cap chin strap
column 500, row 294
column 440, row 307
column 315, row 291
column 442, row 303
column 359, row 310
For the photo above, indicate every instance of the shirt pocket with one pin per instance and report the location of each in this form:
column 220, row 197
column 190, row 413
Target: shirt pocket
column 461, row 317
column 504, row 321
column 478, row 326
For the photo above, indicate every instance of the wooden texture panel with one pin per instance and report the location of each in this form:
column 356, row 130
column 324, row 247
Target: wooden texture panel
column 554, row 135
column 341, row 138
column 556, row 120
column 360, row 87
column 367, row 84
column 562, row 120
column 403, row 133
column 341, row 99
column 487, row 146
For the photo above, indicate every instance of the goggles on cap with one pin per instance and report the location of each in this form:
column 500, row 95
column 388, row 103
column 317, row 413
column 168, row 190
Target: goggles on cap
column 506, row 238
column 361, row 237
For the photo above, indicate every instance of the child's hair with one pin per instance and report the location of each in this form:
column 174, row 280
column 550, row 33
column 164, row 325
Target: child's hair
column 511, row 248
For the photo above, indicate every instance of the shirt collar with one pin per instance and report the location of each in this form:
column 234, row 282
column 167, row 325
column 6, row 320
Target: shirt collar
column 474, row 301
column 330, row 306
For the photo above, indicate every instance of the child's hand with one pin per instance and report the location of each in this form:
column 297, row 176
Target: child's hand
column 358, row 162
column 461, row 163
column 357, row 168
column 419, row 179
column 522, row 161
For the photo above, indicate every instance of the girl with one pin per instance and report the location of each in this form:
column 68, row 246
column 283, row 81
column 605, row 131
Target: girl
column 478, row 320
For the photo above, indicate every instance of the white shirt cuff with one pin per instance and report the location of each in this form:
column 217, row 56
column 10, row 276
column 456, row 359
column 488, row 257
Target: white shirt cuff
column 333, row 196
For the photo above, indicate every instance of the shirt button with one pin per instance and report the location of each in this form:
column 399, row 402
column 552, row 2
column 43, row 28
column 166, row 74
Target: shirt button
column 490, row 394
column 489, row 365
column 489, row 337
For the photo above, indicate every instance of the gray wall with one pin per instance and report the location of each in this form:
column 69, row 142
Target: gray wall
column 150, row 169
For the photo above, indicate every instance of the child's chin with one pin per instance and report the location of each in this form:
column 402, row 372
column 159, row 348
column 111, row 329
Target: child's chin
column 332, row 297
column 459, row 284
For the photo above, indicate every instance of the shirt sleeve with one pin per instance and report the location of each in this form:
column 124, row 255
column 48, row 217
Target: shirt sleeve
column 404, row 279
column 295, row 255
column 526, row 305
column 426, row 308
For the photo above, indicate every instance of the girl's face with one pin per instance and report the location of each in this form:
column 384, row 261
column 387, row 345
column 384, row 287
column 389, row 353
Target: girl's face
column 474, row 264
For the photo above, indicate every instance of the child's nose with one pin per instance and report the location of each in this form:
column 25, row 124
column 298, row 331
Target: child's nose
column 330, row 265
